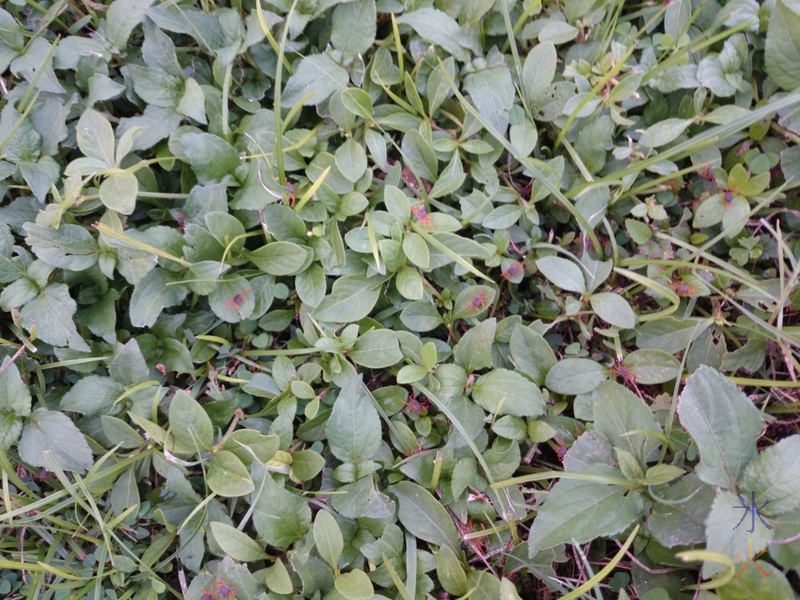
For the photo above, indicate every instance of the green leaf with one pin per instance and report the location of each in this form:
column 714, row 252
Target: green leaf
column 723, row 423
column 354, row 428
column 15, row 403
column 420, row 316
column 280, row 517
column 617, row 413
column 613, row 309
column 213, row 159
column 354, row 26
column 328, row 538
column 473, row 301
column 774, row 476
column 575, row 376
column 423, row 516
column 21, row 141
column 122, row 17
column 311, row 285
column 531, row 353
column 227, row 476
column 155, row 86
column 119, row 191
column 192, row 103
column 376, row 349
column 671, row 335
column 409, row 283
column 361, row 499
column 40, row 176
column 51, row 313
column 682, row 521
column 249, row 445
column 664, row 132
column 278, row 579
column 767, row 583
column 92, row 395
column 651, row 366
column 50, row 433
column 437, row 27
column 474, row 350
column 351, row 299
column 354, row 585
column 69, row 247
column 419, row 156
column 121, row 433
column 724, row 533
column 492, row 92
column 416, row 249
column 503, row 392
column 306, row 464
column 563, row 273
column 236, row 544
column 351, row 157
column 189, row 423
column 411, row 373
column 279, row 258
column 314, row 79
column 539, row 68
column 578, row 511
column 782, row 50
column 450, row 572
column 357, row 102
column 233, row 300
column 95, row 137
column 157, row 290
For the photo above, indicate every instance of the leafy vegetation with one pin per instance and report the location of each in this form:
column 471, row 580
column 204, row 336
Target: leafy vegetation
column 372, row 299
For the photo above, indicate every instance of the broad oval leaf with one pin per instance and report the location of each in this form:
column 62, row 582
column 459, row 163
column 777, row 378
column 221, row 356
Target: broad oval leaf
column 575, row 376
column 51, row 435
column 351, row 299
column 613, row 309
column 227, row 475
column 562, row 273
column 376, row 349
column 577, row 511
column 280, row 517
column 503, row 392
column 354, row 428
column 531, row 353
column 189, row 423
column 280, row 258
column 723, row 423
column 236, row 544
column 328, row 538
column 424, row 516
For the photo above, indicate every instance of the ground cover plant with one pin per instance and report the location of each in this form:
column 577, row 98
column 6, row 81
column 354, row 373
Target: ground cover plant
column 374, row 299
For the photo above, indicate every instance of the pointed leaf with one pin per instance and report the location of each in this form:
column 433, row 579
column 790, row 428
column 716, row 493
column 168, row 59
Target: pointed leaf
column 328, row 538
column 96, row 137
column 617, row 412
column 190, row 425
column 280, row 517
column 227, row 475
column 236, row 544
column 50, row 432
column 51, row 313
column 723, row 423
column 578, row 511
column 423, row 516
column 563, row 273
column 354, row 428
column 503, row 392
column 775, row 477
